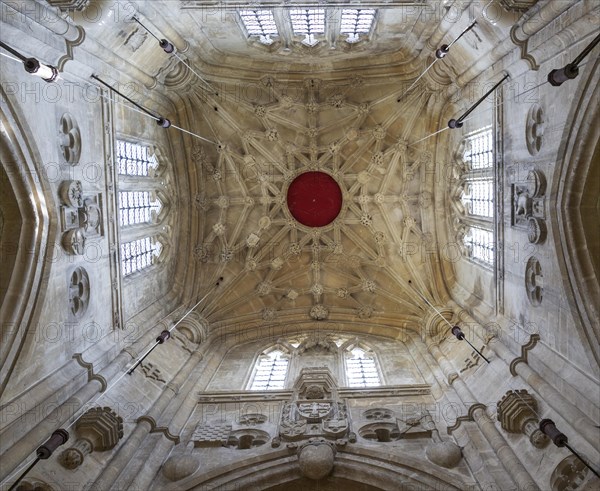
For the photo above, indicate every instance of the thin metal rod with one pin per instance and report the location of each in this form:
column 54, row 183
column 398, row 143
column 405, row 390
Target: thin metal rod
column 582, row 460
column 132, row 369
column 474, row 106
column 478, row 352
column 14, row 52
column 463, row 33
column 125, row 97
column 147, row 30
column 16, row 483
column 586, row 51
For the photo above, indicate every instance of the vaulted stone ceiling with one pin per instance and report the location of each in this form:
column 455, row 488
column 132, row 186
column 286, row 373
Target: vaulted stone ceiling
column 274, row 112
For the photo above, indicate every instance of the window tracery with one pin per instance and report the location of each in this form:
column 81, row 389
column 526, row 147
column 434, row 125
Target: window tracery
column 271, row 370
column 139, row 254
column 475, row 193
column 361, row 368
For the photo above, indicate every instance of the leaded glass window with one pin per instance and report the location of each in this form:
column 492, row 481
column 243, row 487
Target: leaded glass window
column 134, row 159
column 137, row 207
column 478, row 197
column 361, row 369
column 271, row 370
column 260, row 23
column 356, row 22
column 479, row 149
column 309, row 22
column 138, row 254
column 480, row 243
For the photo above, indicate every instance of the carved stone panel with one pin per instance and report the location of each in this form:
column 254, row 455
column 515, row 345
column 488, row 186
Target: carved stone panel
column 528, row 209
column 81, row 216
column 211, row 435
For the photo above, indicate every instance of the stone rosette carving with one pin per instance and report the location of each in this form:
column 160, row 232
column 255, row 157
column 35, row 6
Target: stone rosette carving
column 246, row 439
column 319, row 312
column 571, row 474
column 517, row 414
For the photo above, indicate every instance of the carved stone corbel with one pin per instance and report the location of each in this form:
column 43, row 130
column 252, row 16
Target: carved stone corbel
column 517, row 414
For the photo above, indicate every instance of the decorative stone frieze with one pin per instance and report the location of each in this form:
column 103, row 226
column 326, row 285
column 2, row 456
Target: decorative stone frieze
column 98, row 430
column 517, row 414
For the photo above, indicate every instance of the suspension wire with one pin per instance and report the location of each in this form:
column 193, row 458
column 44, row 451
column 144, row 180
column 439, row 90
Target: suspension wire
column 10, row 57
column 25, row 472
column 147, row 30
column 194, row 134
column 195, row 73
column 418, row 78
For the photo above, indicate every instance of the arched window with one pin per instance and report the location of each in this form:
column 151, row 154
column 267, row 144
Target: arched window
column 271, row 370
column 476, row 193
column 361, row 368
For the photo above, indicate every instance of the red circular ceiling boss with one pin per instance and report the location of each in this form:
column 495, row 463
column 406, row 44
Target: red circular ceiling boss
column 314, row 199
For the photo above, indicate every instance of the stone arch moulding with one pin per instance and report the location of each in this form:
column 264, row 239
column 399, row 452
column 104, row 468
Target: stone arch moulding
column 365, row 466
column 576, row 187
column 24, row 262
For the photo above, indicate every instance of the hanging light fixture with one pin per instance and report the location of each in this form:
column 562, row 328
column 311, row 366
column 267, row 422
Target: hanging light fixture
column 58, row 438
column 48, row 73
column 548, row 427
column 570, row 71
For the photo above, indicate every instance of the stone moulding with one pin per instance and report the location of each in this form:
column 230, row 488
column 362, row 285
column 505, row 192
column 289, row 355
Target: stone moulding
column 78, row 357
column 468, row 417
column 159, row 429
column 533, row 340
column 345, row 392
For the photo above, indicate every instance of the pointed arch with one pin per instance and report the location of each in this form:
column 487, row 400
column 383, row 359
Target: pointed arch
column 271, row 368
